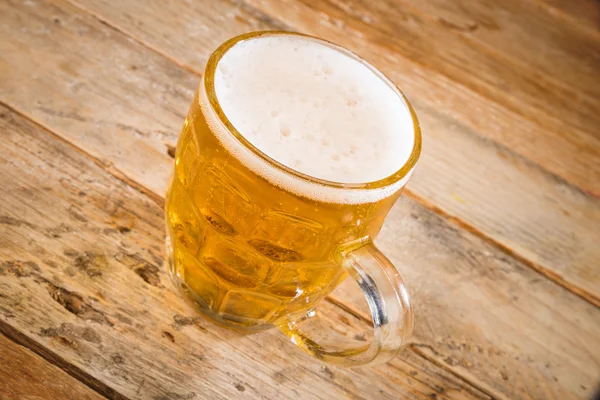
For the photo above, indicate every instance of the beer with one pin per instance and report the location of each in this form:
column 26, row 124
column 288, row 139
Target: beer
column 290, row 152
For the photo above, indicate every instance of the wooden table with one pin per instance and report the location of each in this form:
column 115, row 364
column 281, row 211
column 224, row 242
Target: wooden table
column 497, row 236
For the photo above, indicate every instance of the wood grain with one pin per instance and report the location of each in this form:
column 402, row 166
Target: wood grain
column 81, row 274
column 517, row 336
column 489, row 188
column 511, row 44
column 578, row 14
column 26, row 376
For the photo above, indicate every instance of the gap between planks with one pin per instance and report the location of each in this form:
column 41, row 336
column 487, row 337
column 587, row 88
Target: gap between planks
column 48, row 355
column 417, row 348
column 551, row 275
column 103, row 164
column 105, row 390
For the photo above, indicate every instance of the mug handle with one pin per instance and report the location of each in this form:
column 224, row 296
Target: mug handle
column 388, row 302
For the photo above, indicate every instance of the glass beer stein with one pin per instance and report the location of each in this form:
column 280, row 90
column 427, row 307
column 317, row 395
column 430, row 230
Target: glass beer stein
column 292, row 153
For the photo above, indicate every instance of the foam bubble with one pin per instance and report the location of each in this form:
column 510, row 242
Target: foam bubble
column 299, row 99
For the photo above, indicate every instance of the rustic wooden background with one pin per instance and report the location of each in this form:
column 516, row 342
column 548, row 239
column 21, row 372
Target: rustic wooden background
column 498, row 235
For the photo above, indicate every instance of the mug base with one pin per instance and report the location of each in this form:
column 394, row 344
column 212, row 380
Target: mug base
column 228, row 321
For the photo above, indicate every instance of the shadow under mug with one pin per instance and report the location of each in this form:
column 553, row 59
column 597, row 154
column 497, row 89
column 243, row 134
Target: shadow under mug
column 256, row 244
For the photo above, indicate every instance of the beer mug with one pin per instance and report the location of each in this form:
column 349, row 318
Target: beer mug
column 292, row 153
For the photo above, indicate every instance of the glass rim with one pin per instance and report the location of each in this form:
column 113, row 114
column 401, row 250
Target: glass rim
column 213, row 101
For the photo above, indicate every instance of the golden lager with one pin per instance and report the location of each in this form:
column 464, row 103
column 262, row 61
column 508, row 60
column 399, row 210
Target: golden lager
column 292, row 153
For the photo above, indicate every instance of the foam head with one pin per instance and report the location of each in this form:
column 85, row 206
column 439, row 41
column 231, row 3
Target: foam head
column 314, row 108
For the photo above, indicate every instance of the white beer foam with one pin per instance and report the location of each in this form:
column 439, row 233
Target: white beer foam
column 314, row 109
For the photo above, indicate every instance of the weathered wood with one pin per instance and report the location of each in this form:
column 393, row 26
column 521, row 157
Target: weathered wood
column 487, row 369
column 81, row 274
column 26, row 376
column 542, row 220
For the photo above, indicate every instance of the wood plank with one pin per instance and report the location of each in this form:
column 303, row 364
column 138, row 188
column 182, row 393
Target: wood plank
column 535, row 381
column 490, row 189
column 77, row 247
column 26, row 376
